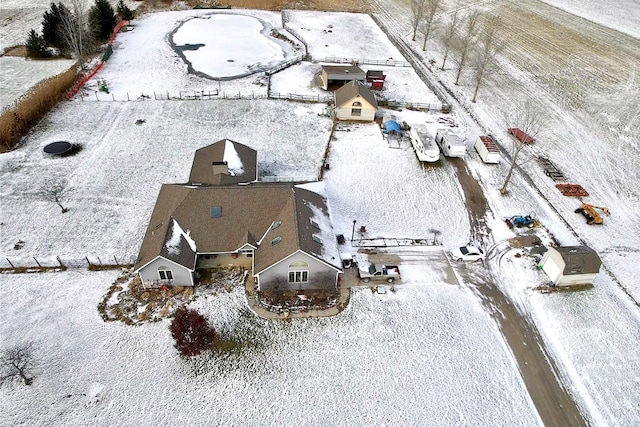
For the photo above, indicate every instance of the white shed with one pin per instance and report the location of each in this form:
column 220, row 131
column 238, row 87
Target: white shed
column 570, row 265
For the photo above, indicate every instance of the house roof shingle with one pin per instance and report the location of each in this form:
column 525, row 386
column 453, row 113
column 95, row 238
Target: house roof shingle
column 352, row 90
column 228, row 151
column 247, row 211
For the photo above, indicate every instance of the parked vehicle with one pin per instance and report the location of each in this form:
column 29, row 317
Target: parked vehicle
column 487, row 149
column 528, row 221
column 450, row 143
column 423, row 144
column 369, row 272
column 591, row 213
column 467, row 253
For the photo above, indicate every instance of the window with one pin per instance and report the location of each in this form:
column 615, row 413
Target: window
column 357, row 104
column 276, row 241
column 317, row 239
column 165, row 273
column 298, row 264
column 216, row 211
column 296, row 272
column 298, row 276
column 247, row 252
column 315, row 224
column 356, row 111
column 275, row 224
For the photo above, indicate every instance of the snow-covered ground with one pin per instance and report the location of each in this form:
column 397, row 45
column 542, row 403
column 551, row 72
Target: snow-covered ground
column 20, row 74
column 421, row 356
column 424, row 355
column 621, row 15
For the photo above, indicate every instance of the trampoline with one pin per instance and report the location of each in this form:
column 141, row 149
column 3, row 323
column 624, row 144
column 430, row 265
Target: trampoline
column 58, row 148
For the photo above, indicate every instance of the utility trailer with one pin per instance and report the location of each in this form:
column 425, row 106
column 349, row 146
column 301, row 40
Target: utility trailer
column 487, row 149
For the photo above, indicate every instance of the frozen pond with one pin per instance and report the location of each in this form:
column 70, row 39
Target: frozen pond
column 225, row 46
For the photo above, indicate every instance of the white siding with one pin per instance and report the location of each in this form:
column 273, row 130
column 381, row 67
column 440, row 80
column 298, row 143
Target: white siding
column 181, row 275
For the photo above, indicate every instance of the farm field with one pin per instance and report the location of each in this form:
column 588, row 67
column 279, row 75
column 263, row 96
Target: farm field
column 450, row 341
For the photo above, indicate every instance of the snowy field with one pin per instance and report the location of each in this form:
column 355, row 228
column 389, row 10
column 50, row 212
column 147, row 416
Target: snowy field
column 114, row 181
column 20, row 74
column 445, row 341
column 420, row 356
column 622, row 15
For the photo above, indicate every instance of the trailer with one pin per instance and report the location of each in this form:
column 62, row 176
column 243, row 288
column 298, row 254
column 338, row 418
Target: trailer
column 487, row 149
column 450, row 143
column 423, row 144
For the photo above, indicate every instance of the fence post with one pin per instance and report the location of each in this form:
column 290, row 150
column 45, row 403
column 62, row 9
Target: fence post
column 10, row 263
column 168, row 97
column 37, row 262
column 97, row 99
column 60, row 262
column 113, row 96
column 117, row 263
column 99, row 259
column 128, row 97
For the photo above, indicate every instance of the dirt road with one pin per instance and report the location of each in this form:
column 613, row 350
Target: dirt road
column 555, row 405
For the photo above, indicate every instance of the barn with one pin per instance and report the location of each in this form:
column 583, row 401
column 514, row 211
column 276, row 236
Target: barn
column 340, row 74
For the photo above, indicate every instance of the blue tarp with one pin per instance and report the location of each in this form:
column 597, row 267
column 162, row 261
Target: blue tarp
column 392, row 126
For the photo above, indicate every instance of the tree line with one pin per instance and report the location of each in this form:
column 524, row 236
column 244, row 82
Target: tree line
column 71, row 30
column 472, row 39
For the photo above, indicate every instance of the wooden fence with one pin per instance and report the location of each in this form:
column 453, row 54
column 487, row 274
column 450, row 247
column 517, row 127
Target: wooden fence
column 34, row 264
column 388, row 62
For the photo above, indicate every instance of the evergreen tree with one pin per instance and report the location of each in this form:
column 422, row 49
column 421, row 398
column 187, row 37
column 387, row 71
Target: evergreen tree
column 37, row 46
column 53, row 26
column 102, row 20
column 124, row 12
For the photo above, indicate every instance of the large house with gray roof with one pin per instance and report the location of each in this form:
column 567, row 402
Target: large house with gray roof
column 224, row 217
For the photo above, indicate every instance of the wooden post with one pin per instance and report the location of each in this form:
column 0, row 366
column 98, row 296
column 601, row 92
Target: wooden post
column 97, row 99
column 37, row 262
column 128, row 97
column 12, row 266
column 113, row 96
column 60, row 262
column 114, row 257
column 99, row 259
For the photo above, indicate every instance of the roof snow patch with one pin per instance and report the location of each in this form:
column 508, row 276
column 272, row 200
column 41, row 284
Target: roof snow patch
column 234, row 163
column 173, row 244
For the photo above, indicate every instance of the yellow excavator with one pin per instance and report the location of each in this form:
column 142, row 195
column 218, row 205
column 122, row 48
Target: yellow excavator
column 591, row 213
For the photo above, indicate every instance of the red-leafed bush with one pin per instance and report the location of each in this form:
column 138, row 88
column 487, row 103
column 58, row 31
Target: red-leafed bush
column 192, row 333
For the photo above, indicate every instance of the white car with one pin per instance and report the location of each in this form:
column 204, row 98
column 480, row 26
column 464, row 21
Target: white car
column 467, row 253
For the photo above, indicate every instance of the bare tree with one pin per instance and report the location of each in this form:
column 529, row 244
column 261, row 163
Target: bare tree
column 465, row 41
column 417, row 13
column 448, row 35
column 431, row 9
column 56, row 194
column 529, row 120
column 16, row 364
column 490, row 47
column 74, row 29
